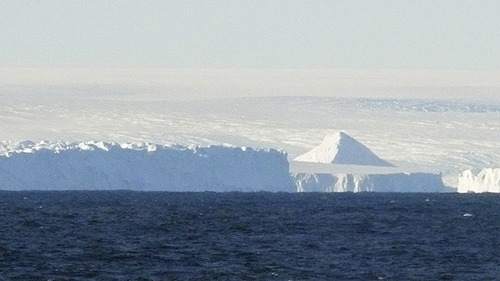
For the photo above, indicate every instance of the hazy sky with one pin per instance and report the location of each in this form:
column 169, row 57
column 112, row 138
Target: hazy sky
column 411, row 34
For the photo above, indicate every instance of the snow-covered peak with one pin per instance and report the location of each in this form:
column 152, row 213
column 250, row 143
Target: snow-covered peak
column 340, row 148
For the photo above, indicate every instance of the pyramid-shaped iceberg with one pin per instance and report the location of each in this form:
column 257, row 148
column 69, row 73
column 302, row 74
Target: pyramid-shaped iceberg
column 340, row 148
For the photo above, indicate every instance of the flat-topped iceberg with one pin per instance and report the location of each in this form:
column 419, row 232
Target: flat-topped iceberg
column 487, row 180
column 141, row 166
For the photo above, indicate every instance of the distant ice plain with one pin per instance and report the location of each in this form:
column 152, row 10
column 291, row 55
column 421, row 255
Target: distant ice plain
column 444, row 124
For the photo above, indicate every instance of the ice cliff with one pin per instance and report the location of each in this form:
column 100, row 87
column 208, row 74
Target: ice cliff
column 141, row 166
column 487, row 180
column 397, row 182
column 340, row 148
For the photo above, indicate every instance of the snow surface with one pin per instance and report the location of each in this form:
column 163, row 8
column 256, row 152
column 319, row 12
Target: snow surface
column 487, row 180
column 399, row 182
column 446, row 134
column 141, row 166
column 340, row 148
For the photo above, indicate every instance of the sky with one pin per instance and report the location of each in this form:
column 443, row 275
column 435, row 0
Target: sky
column 349, row 34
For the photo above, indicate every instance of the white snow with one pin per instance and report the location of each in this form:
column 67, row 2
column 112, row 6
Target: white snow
column 444, row 134
column 340, row 148
column 398, row 182
column 141, row 166
column 487, row 180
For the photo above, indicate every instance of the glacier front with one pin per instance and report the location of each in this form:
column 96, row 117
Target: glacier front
column 141, row 166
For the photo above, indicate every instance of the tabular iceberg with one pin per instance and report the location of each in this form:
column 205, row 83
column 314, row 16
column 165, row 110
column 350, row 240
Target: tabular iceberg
column 487, row 180
column 397, row 182
column 140, row 166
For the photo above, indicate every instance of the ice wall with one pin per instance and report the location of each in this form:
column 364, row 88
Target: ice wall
column 99, row 165
column 487, row 180
column 397, row 182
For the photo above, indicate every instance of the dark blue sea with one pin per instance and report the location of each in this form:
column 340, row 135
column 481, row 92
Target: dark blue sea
column 126, row 235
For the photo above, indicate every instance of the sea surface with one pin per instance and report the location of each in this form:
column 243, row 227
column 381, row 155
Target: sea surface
column 126, row 235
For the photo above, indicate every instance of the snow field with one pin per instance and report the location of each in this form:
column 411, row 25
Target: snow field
column 439, row 136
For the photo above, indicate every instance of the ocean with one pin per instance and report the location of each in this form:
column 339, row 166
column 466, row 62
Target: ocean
column 130, row 235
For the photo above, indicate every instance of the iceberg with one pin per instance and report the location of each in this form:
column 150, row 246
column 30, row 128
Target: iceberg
column 487, row 180
column 142, row 166
column 342, row 164
column 396, row 182
column 340, row 148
